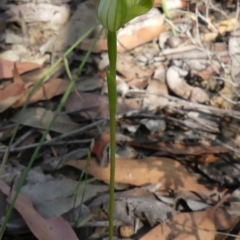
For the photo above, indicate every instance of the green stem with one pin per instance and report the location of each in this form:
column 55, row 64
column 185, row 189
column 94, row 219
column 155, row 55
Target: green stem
column 112, row 99
column 165, row 10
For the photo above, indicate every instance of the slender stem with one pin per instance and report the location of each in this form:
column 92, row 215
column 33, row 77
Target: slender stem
column 112, row 99
column 165, row 9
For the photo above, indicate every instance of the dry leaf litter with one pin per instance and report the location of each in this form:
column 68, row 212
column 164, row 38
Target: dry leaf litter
column 177, row 159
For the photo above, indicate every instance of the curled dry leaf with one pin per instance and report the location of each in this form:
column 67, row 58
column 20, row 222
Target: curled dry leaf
column 176, row 82
column 141, row 30
column 170, row 173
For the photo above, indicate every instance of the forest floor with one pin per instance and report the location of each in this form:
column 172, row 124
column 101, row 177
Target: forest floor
column 178, row 128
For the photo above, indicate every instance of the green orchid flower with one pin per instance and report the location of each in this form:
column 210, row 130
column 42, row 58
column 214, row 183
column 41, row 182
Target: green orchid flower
column 113, row 14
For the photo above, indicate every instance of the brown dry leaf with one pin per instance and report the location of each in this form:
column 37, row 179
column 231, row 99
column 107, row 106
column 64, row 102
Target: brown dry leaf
column 168, row 172
column 193, row 226
column 35, row 75
column 12, row 93
column 6, row 68
column 52, row 229
column 98, row 104
column 141, row 36
column 47, row 91
column 141, row 30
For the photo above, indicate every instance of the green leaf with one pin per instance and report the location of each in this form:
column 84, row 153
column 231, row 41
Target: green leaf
column 140, row 7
